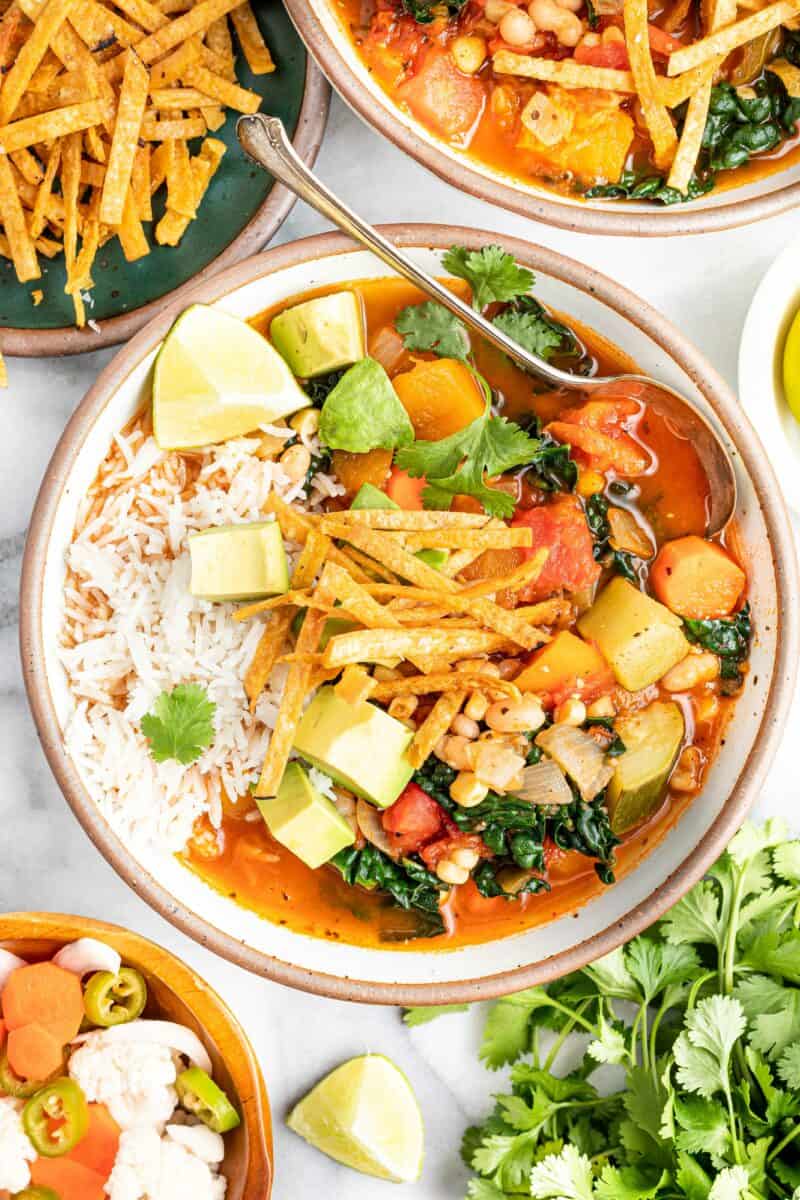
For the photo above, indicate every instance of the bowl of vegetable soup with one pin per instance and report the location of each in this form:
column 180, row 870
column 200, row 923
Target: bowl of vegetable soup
column 378, row 668
column 121, row 1069
column 615, row 117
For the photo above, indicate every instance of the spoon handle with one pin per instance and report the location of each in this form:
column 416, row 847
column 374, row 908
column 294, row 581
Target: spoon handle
column 264, row 139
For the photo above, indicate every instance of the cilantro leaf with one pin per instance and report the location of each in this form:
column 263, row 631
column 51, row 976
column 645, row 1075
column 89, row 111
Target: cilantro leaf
column 786, row 861
column 789, row 1066
column 703, row 1126
column 459, row 465
column 529, row 331
column 629, row 1183
column 421, row 1016
column 564, row 1176
column 430, row 326
column 490, row 272
column 181, row 724
column 703, row 1050
column 731, row 1184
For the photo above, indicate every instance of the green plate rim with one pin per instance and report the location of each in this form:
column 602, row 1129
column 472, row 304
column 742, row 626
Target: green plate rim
column 262, row 227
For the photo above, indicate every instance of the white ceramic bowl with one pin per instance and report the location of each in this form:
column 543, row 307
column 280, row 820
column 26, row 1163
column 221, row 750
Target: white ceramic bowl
column 771, row 312
column 514, row 962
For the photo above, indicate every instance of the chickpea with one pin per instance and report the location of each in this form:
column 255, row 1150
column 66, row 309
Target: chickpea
column 450, row 873
column 570, row 5
column 465, row 858
column 517, row 28
column 495, row 10
column 476, row 706
column 305, row 423
column 612, row 34
column 506, row 716
column 686, row 776
column 456, row 751
column 469, row 54
column 295, row 463
column 461, row 724
column 548, row 15
column 504, row 104
column 589, row 39
column 706, row 709
column 571, row 712
column 467, row 790
column 695, row 669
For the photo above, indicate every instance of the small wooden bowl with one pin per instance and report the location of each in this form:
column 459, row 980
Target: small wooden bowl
column 176, row 993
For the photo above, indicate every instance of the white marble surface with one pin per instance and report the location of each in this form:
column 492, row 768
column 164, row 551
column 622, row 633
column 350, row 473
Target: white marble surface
column 703, row 284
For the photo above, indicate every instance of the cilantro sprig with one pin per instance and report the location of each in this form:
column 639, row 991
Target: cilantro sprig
column 491, row 273
column 700, row 1017
column 181, row 725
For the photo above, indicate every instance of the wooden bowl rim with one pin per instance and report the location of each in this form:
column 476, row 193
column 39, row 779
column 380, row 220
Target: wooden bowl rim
column 696, row 863
column 209, row 1009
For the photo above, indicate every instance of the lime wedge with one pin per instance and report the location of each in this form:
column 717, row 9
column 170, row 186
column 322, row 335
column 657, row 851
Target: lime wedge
column 365, row 1115
column 791, row 367
column 216, row 378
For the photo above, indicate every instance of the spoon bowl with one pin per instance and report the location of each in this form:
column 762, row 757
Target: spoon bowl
column 264, row 139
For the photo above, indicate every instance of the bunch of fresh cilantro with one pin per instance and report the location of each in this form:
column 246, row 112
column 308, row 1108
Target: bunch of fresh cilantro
column 490, row 445
column 694, row 1031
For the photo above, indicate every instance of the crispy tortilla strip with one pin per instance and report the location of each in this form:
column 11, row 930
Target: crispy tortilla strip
column 255, row 49
column 140, row 183
column 43, row 195
column 547, row 612
column 167, row 98
column 654, row 112
column 268, row 649
column 130, row 232
column 180, row 183
column 722, row 12
column 357, row 600
column 368, row 567
column 100, row 28
column 12, row 32
column 196, row 20
column 355, row 686
column 143, row 13
column 172, row 225
column 527, row 572
column 185, row 129
column 297, row 526
column 31, row 54
column 30, row 131
column 217, row 88
column 435, row 726
column 408, row 566
column 130, row 110
column 23, row 251
column 447, row 681
column 28, row 166
column 501, row 538
column 389, row 519
column 171, row 68
column 294, row 695
column 220, row 45
column 723, row 41
column 312, row 557
column 671, row 92
column 372, row 645
column 298, row 597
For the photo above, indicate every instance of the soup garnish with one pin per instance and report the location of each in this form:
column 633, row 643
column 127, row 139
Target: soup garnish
column 485, row 653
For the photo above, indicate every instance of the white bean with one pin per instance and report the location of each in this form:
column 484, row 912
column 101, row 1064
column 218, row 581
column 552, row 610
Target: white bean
column 548, row 15
column 695, row 668
column 517, row 28
column 509, row 716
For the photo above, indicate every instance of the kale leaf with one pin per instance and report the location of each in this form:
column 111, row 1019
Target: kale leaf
column 596, row 511
column 425, row 11
column 319, row 389
column 409, row 883
column 727, row 637
column 633, row 186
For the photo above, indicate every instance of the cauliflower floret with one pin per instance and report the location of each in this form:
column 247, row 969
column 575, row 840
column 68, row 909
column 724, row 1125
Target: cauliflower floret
column 199, row 1140
column 149, row 1167
column 133, row 1079
column 15, row 1149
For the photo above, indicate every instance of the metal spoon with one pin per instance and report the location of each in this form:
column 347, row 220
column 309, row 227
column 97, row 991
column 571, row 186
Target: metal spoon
column 265, row 140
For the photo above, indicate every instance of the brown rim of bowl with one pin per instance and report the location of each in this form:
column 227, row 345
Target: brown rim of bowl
column 212, row 1014
column 260, row 229
column 537, row 205
column 747, row 447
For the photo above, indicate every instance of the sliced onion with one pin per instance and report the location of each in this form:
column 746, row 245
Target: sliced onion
column 628, row 535
column 497, row 765
column 9, row 963
column 371, row 825
column 161, row 1033
column 578, row 754
column 544, row 783
column 87, row 955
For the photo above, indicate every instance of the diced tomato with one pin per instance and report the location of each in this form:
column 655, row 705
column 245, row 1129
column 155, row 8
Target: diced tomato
column 599, row 431
column 559, row 526
column 414, row 819
column 552, row 853
column 405, row 491
column 662, row 43
column 611, row 54
column 443, row 98
column 434, row 852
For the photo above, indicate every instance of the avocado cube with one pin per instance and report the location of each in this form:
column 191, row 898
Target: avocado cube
column 359, row 745
column 238, row 562
column 652, row 738
column 305, row 821
column 639, row 638
column 320, row 335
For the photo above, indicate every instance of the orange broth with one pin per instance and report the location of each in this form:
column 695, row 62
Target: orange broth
column 245, row 863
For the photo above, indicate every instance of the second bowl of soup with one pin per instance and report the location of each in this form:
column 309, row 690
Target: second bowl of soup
column 357, row 644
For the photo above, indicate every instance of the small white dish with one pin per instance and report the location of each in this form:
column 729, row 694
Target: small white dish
column 769, row 317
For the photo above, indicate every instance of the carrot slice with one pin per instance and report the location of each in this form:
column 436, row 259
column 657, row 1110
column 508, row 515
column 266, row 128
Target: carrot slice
column 69, row 1180
column 602, row 451
column 33, row 1052
column 405, row 491
column 98, row 1149
column 3, row 1032
column 44, row 994
column 697, row 579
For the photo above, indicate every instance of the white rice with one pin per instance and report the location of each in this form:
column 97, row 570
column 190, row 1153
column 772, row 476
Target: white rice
column 132, row 630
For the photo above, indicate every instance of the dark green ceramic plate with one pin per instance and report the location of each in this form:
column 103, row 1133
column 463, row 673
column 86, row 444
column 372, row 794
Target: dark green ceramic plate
column 242, row 210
